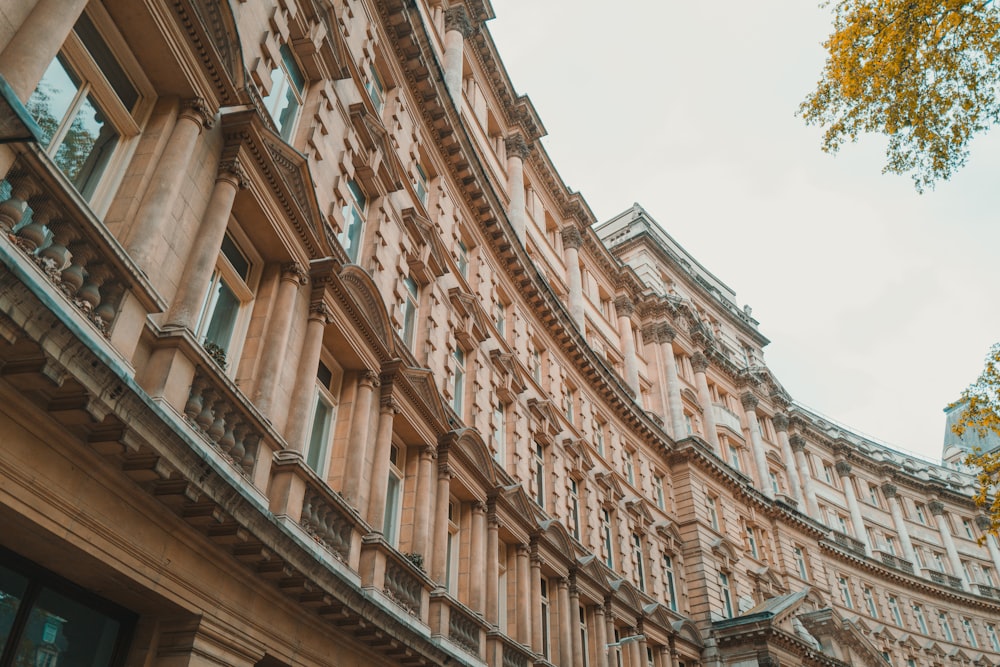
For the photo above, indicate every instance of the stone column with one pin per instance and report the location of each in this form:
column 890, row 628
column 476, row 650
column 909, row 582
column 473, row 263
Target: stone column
column 477, row 557
column 749, row 402
column 36, row 42
column 357, row 438
column 565, row 625
column 699, row 362
column 635, row 660
column 517, row 150
column 984, row 524
column 201, row 261
column 380, row 464
column 798, row 445
column 273, row 352
column 574, row 619
column 624, row 307
column 524, row 608
column 937, row 509
column 536, row 599
column 457, row 27
column 890, row 492
column 780, row 422
column 666, row 658
column 297, row 428
column 600, row 637
column 172, row 168
column 425, row 494
column 642, row 649
column 492, row 565
column 844, row 471
column 439, row 572
column 572, row 240
column 676, row 416
column 610, row 652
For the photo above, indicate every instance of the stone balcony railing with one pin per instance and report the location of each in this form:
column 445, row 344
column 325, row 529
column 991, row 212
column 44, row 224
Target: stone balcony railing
column 943, row 578
column 389, row 572
column 502, row 651
column 451, row 619
column 895, row 562
column 50, row 224
column 724, row 417
column 988, row 591
column 847, row 542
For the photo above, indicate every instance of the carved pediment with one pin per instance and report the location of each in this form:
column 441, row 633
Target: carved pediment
column 627, row 595
column 294, row 171
column 320, row 47
column 610, row 487
column 638, row 512
column 376, row 166
column 512, row 377
column 578, row 459
column 670, row 536
column 476, row 325
column 724, row 551
column 422, row 381
column 557, row 534
column 544, row 420
column 427, row 260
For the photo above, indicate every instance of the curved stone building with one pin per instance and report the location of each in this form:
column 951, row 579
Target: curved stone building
column 309, row 357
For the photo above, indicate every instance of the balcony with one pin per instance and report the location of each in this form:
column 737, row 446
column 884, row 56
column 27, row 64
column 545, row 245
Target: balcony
column 505, row 652
column 848, row 542
column 943, row 578
column 387, row 572
column 724, row 417
column 896, row 562
column 988, row 591
column 453, row 621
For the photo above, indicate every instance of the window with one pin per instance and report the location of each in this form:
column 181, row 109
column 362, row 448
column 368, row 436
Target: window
column 727, row 595
column 411, row 302
column 939, row 562
column 569, row 403
column 894, row 609
column 46, row 621
column 375, row 88
column 421, row 185
column 499, row 433
column 637, row 555
column 842, row 524
column 500, row 318
column 609, row 554
column 393, row 497
column 536, row 365
column 669, row 583
column 991, row 632
column 828, row 476
column 713, row 514
column 228, row 291
column 629, row 463
column 773, row 477
column 574, row 508
column 459, row 379
column 734, row 458
column 945, row 627
column 452, row 547
column 354, row 220
column 845, row 592
column 800, row 562
column 287, row 91
column 890, row 545
column 599, row 437
column 85, row 106
column 920, row 512
column 321, row 420
column 539, row 475
column 967, row 526
column 658, row 492
column 870, row 602
column 545, row 617
column 583, row 633
column 918, row 613
column 988, row 575
column 463, row 261
column 970, row 633
column 752, row 543
column 873, row 495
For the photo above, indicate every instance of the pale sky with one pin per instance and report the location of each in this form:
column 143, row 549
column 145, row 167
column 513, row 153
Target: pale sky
column 880, row 303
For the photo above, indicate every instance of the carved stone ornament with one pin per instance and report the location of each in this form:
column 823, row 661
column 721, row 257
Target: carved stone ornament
column 699, row 362
column 320, row 312
column 571, row 237
column 624, row 306
column 667, row 333
column 389, row 406
column 516, row 146
column 749, row 401
column 983, row 522
column 231, row 169
column 843, row 468
column 294, row 272
column 368, row 379
column 936, row 507
column 197, row 110
column 797, row 442
column 889, row 490
column 780, row 422
column 456, row 18
column 651, row 333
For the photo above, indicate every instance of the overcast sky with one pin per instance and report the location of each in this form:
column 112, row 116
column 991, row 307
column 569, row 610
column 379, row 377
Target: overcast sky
column 880, row 303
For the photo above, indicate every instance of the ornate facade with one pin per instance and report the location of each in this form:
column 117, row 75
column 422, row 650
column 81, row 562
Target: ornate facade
column 310, row 357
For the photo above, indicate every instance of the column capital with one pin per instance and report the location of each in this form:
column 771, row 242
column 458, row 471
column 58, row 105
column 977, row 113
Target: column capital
column 983, row 522
column 516, row 146
column 368, row 379
column 478, row 507
column 457, row 18
column 562, row 582
column 599, row 610
column 780, row 421
column 797, row 442
column 843, row 468
column 522, row 549
column 667, row 333
column 388, row 406
column 890, row 490
column 749, row 401
column 699, row 362
column 936, row 507
column 293, row 272
column 444, row 472
column 427, row 453
column 231, row 169
column 196, row 109
column 624, row 306
column 651, row 333
column 571, row 237
column 319, row 312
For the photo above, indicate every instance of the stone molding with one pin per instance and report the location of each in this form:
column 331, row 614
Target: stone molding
column 457, row 19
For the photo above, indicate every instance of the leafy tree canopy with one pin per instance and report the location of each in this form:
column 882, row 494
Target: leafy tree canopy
column 981, row 414
column 925, row 73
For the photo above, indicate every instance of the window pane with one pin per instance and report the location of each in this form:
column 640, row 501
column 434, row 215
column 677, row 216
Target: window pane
column 85, row 150
column 53, row 98
column 287, row 112
column 292, row 67
column 236, row 258
column 319, row 433
column 222, row 319
column 391, row 502
column 12, row 586
column 62, row 632
column 106, row 61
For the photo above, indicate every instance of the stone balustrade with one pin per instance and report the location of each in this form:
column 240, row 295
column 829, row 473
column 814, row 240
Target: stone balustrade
column 727, row 418
column 988, row 591
column 384, row 569
column 463, row 627
column 847, row 542
column 896, row 562
column 943, row 578
column 56, row 230
column 503, row 651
